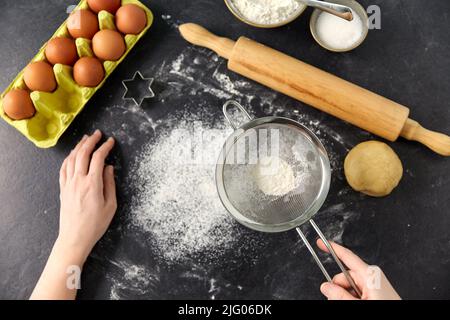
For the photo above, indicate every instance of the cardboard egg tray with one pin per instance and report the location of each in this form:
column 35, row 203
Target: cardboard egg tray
column 55, row 111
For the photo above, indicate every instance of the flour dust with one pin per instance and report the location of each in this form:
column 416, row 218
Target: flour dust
column 177, row 203
column 132, row 281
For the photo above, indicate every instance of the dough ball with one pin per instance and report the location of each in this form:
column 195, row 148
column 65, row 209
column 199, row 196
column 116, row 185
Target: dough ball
column 373, row 168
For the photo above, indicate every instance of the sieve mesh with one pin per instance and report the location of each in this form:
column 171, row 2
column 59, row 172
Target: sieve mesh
column 300, row 160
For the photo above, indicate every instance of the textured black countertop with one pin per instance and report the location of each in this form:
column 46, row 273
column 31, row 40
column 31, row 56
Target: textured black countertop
column 405, row 233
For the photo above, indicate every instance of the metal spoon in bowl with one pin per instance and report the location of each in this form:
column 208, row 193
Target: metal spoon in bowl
column 338, row 10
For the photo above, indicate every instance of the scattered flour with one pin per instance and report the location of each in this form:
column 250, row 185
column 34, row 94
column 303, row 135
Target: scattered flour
column 174, row 24
column 267, row 11
column 130, row 280
column 176, row 201
column 191, row 71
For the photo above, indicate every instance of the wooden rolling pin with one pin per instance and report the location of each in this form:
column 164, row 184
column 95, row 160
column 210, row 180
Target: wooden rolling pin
column 317, row 88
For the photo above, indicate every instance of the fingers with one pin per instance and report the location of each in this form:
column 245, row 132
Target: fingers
column 350, row 259
column 335, row 292
column 342, row 281
column 83, row 156
column 97, row 165
column 71, row 159
column 109, row 188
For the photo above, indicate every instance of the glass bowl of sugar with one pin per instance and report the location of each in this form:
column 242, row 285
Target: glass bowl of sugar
column 339, row 35
column 266, row 13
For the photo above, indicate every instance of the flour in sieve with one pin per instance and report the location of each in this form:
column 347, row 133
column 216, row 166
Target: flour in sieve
column 176, row 202
column 274, row 176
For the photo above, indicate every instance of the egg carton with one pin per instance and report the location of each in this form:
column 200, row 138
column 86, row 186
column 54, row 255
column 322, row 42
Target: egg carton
column 55, row 111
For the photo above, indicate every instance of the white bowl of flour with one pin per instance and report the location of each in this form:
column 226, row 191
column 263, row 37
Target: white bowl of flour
column 266, row 13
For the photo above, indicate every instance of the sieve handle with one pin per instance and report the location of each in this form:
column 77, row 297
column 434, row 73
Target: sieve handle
column 238, row 106
column 314, row 254
column 333, row 254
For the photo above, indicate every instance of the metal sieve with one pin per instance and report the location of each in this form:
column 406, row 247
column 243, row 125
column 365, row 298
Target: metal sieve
column 285, row 206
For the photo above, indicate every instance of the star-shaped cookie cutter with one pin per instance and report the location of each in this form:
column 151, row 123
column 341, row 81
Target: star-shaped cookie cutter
column 138, row 100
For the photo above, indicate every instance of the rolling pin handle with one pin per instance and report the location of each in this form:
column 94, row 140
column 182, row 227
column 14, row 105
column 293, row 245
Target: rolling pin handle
column 199, row 36
column 438, row 142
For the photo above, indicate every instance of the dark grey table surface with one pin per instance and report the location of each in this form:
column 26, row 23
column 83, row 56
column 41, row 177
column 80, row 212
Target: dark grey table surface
column 406, row 233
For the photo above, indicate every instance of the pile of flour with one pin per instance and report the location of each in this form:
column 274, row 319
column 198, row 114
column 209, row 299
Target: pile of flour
column 267, row 11
column 176, row 201
column 274, row 176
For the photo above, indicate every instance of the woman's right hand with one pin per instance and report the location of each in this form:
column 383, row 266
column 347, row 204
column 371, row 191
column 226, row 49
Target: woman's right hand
column 370, row 280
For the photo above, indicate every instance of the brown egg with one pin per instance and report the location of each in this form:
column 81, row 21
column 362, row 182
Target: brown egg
column 18, row 105
column 61, row 50
column 39, row 76
column 109, row 5
column 131, row 19
column 88, row 72
column 82, row 24
column 108, row 45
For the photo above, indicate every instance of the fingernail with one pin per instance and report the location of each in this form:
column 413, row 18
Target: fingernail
column 110, row 139
column 325, row 288
column 97, row 131
column 85, row 137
